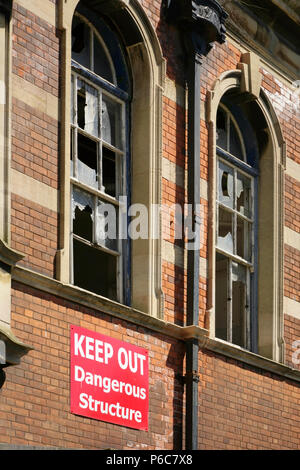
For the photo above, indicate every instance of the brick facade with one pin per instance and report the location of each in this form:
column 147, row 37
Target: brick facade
column 241, row 406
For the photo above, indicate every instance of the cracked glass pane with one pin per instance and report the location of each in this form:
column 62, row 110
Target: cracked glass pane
column 225, row 186
column 87, row 108
column 107, row 225
column 225, row 230
column 83, row 214
column 243, row 195
column 87, row 160
column 111, row 121
column 243, row 239
column 71, row 154
column 72, row 101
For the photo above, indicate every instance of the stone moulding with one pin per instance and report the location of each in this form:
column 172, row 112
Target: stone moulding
column 205, row 16
column 8, row 255
column 15, row 349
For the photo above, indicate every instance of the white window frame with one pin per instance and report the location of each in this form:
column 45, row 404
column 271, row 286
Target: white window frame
column 98, row 194
column 233, row 257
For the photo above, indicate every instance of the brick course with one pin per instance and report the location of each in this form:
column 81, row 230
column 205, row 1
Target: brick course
column 34, row 232
column 35, row 50
column 35, row 143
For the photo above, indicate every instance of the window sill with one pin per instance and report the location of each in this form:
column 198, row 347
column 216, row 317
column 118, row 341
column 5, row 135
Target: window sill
column 93, row 301
column 104, row 305
column 255, row 360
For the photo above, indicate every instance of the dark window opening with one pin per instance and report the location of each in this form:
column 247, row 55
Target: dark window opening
column 109, row 171
column 87, row 160
column 94, row 270
column 83, row 223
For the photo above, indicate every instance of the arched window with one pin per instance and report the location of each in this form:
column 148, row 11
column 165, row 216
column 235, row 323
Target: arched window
column 236, row 237
column 99, row 159
column 111, row 128
column 245, row 264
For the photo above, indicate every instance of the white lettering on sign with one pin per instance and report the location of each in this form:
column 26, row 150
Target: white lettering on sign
column 132, row 360
column 113, row 409
column 93, row 349
column 109, row 379
column 107, row 384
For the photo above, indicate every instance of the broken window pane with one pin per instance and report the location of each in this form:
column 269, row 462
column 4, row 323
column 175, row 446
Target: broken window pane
column 71, row 153
column 243, row 195
column 243, row 239
column 239, row 300
column 222, row 130
column 102, row 65
column 107, row 225
column 235, row 147
column 221, row 296
column 82, row 214
column 111, row 121
column 225, row 188
column 72, row 101
column 225, row 233
column 81, row 42
column 87, row 160
column 109, row 171
column 87, row 108
column 95, row 270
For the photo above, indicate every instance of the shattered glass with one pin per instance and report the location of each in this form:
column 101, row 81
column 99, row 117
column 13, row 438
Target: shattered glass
column 87, row 161
column 243, row 195
column 106, row 225
column 82, row 214
column 87, row 108
column 225, row 186
column 111, row 121
column 225, row 230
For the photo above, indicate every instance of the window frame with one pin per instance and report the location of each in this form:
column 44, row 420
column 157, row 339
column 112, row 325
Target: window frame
column 238, row 166
column 118, row 95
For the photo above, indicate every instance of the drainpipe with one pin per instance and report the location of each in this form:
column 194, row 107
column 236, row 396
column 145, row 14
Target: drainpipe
column 201, row 23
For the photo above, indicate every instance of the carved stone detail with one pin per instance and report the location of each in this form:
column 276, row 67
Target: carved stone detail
column 204, row 17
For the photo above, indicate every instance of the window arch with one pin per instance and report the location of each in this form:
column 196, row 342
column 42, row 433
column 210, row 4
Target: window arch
column 236, row 237
column 136, row 59
column 264, row 161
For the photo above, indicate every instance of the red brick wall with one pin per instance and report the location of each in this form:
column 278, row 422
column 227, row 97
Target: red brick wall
column 239, row 406
column 34, row 404
column 243, row 408
column 292, row 273
column 35, row 50
column 34, row 232
column 292, row 203
column 35, row 143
